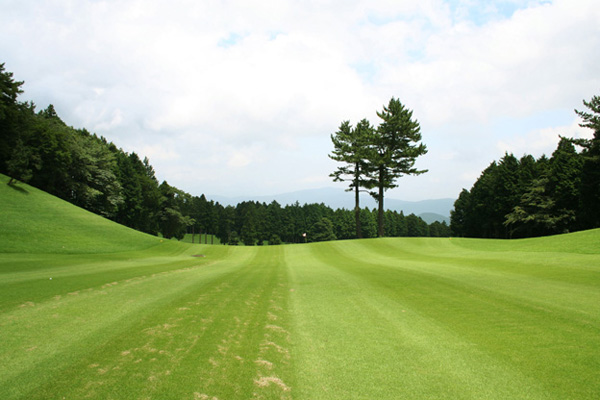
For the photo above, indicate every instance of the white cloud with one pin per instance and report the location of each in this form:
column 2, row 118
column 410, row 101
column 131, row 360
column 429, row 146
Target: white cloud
column 236, row 96
column 159, row 152
column 239, row 159
column 508, row 67
column 543, row 141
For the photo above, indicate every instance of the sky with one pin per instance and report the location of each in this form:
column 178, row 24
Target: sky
column 239, row 97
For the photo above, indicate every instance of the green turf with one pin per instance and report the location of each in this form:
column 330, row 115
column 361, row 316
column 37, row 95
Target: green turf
column 136, row 318
column 35, row 222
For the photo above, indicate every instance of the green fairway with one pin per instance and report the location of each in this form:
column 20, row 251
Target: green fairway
column 89, row 309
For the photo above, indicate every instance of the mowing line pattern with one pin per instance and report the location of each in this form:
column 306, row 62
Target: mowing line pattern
column 424, row 319
column 384, row 319
column 214, row 330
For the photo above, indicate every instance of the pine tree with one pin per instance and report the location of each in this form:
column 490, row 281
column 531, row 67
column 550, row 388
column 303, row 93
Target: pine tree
column 589, row 215
column 351, row 146
column 395, row 149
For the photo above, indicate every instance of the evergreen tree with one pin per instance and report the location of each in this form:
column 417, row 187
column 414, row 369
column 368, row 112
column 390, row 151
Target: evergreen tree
column 459, row 216
column 395, row 149
column 172, row 222
column 11, row 116
column 344, row 224
column 321, row 231
column 535, row 216
column 481, row 204
column 368, row 223
column 416, row 227
column 589, row 211
column 351, row 146
column 564, row 182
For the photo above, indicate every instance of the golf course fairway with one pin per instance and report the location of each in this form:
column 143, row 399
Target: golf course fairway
column 91, row 309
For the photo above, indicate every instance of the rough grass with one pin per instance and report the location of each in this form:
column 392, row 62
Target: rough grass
column 386, row 319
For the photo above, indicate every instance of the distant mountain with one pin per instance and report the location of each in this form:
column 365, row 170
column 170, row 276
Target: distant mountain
column 432, row 217
column 434, row 210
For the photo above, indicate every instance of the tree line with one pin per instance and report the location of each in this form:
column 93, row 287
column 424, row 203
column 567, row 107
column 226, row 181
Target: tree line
column 527, row 197
column 87, row 170
column 259, row 223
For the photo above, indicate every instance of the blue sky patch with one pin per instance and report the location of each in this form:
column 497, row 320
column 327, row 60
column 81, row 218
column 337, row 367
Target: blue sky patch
column 231, row 40
column 480, row 13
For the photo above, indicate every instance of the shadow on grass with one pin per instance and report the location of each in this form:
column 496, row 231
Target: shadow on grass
column 15, row 186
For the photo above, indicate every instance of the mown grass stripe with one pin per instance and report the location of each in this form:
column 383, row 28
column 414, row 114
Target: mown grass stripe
column 62, row 330
column 517, row 332
column 378, row 346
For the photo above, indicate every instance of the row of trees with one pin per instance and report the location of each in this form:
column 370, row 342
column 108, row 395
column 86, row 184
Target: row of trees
column 257, row 223
column 374, row 158
column 533, row 197
column 90, row 172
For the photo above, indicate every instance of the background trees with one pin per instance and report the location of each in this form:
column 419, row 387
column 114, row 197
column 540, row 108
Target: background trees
column 589, row 212
column 529, row 197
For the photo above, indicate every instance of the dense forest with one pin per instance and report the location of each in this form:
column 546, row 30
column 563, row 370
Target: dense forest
column 87, row 170
column 526, row 197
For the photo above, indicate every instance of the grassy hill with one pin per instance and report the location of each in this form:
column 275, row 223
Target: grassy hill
column 414, row 318
column 33, row 221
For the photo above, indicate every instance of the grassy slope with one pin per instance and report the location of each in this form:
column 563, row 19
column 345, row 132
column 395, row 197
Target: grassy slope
column 34, row 222
column 386, row 319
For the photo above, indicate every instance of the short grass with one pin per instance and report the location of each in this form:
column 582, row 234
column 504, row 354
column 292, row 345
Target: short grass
column 368, row 319
column 34, row 222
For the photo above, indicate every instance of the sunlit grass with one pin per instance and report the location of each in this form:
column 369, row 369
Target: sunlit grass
column 34, row 222
column 128, row 316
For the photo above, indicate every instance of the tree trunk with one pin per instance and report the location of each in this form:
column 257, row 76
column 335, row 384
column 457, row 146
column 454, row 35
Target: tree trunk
column 357, row 212
column 380, row 232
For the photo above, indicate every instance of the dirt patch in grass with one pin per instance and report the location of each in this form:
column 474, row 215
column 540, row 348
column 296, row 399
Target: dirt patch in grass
column 202, row 396
column 264, row 363
column 276, row 329
column 268, row 380
column 281, row 350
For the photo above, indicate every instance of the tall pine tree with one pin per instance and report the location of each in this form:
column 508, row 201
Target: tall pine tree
column 396, row 146
column 351, row 146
